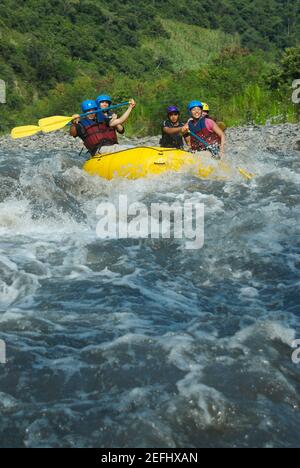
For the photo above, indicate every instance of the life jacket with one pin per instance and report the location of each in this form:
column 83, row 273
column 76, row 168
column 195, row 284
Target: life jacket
column 200, row 129
column 171, row 141
column 97, row 134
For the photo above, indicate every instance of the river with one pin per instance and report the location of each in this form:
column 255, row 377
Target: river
column 142, row 343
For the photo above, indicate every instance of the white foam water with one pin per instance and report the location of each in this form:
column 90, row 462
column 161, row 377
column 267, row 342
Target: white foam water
column 141, row 343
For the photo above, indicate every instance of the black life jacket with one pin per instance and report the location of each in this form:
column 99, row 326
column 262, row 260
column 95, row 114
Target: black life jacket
column 171, row 141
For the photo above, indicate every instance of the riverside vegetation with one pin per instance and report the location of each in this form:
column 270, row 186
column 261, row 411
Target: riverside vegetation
column 55, row 54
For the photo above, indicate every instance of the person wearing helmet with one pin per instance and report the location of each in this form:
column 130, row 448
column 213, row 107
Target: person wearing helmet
column 112, row 125
column 205, row 109
column 172, row 136
column 86, row 128
column 96, row 130
column 206, row 113
column 206, row 129
column 103, row 102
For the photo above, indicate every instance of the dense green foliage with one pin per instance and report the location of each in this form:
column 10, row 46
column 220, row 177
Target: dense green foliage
column 287, row 70
column 53, row 54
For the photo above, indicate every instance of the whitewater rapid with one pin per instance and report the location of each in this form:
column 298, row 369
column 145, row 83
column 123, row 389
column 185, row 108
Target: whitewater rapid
column 141, row 343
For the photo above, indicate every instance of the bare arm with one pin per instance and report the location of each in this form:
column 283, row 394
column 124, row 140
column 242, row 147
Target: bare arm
column 185, row 129
column 120, row 129
column 73, row 128
column 221, row 134
column 114, row 123
column 172, row 131
column 73, row 131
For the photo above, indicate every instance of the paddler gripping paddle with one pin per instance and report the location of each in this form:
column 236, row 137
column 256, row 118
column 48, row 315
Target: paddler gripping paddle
column 212, row 149
column 51, row 124
column 215, row 154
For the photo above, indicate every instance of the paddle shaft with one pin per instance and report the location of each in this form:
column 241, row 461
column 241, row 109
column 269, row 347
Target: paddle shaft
column 51, row 124
column 207, row 146
column 101, row 111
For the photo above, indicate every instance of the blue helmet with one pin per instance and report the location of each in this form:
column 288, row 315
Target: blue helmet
column 89, row 105
column 103, row 98
column 193, row 104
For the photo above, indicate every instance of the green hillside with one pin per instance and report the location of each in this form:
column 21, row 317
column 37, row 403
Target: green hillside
column 189, row 47
column 54, row 54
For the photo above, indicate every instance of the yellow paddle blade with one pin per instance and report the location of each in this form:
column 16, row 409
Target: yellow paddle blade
column 23, row 132
column 246, row 174
column 226, row 168
column 51, row 124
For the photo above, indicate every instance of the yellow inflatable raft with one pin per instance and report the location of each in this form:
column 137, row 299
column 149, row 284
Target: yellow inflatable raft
column 143, row 161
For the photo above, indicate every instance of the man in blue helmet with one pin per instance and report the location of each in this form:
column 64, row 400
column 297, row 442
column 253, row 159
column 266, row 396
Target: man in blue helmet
column 113, row 123
column 97, row 130
column 172, row 135
column 103, row 102
column 86, row 129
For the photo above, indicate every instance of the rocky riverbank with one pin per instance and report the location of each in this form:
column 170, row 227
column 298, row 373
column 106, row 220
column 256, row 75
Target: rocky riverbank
column 269, row 138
